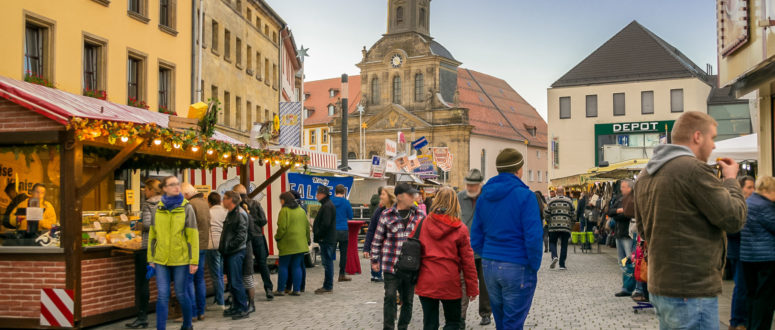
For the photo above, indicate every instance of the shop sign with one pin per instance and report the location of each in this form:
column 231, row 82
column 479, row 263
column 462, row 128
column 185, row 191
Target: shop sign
column 426, row 170
column 413, row 163
column 378, row 166
column 307, row 185
column 203, row 189
column 634, row 127
column 390, row 148
column 443, row 158
column 130, row 197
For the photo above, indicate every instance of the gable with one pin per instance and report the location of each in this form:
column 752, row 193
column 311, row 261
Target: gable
column 395, row 116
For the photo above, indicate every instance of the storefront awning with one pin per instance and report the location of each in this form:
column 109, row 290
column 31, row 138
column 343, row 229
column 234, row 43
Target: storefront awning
column 317, row 159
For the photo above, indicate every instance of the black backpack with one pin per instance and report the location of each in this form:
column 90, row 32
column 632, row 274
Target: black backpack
column 411, row 253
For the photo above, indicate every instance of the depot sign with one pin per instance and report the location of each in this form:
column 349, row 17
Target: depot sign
column 635, row 127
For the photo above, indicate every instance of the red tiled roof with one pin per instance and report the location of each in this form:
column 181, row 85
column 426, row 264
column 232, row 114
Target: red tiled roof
column 61, row 106
column 319, row 99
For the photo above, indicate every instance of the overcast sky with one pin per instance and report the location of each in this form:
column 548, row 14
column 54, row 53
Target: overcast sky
column 530, row 44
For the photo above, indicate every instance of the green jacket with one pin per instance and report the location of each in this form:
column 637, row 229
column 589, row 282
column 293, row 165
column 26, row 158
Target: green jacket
column 292, row 234
column 173, row 239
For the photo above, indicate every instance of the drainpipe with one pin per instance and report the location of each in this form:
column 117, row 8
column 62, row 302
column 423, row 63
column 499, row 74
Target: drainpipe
column 194, row 73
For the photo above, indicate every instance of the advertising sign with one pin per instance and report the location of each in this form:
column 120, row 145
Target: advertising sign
column 378, row 166
column 390, row 147
column 290, row 124
column 307, row 185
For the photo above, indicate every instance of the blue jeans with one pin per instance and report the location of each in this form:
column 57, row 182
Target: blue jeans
column 216, row 274
column 165, row 275
column 327, row 254
column 739, row 313
column 686, row 313
column 511, row 287
column 197, row 289
column 234, row 264
column 292, row 263
column 376, row 275
column 624, row 247
column 303, row 286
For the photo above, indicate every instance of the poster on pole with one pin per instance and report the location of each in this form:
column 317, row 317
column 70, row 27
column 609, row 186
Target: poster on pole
column 426, row 170
column 442, row 158
column 402, row 162
column 390, row 147
column 378, row 166
column 290, row 124
column 413, row 163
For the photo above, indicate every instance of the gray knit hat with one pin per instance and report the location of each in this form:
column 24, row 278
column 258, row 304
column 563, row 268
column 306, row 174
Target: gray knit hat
column 509, row 161
column 474, row 176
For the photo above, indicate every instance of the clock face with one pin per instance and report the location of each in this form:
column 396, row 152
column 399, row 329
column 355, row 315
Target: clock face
column 396, row 60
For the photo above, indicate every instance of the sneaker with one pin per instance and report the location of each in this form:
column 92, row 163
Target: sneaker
column 563, row 268
column 486, row 320
column 622, row 294
column 294, row 294
column 240, row 315
column 323, row 291
column 230, row 312
column 278, row 293
column 554, row 263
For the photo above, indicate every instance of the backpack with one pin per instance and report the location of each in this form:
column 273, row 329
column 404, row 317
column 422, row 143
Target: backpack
column 411, row 253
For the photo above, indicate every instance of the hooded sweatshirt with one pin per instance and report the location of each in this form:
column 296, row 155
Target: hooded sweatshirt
column 446, row 253
column 507, row 226
column 344, row 212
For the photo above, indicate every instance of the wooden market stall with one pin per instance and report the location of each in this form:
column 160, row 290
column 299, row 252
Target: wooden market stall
column 77, row 146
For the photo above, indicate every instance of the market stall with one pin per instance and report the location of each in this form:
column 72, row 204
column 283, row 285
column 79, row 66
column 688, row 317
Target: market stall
column 86, row 152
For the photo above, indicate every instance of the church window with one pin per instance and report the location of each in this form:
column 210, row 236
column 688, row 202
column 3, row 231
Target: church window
column 397, row 90
column 374, row 91
column 418, row 87
column 422, row 17
column 351, row 155
column 399, row 15
column 331, row 109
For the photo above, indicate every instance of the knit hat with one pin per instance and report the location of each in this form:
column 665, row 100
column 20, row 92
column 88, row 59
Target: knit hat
column 474, row 177
column 509, row 161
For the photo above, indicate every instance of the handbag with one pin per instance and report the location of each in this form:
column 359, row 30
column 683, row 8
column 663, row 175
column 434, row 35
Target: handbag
column 411, row 253
column 641, row 262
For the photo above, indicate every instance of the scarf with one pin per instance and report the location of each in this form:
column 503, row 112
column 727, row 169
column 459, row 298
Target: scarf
column 172, row 202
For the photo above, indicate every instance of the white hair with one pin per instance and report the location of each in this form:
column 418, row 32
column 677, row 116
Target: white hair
column 187, row 189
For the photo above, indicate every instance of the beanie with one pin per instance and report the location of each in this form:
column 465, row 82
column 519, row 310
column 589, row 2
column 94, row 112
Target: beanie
column 509, row 161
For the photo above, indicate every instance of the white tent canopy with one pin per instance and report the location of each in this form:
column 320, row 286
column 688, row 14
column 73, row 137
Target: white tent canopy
column 740, row 148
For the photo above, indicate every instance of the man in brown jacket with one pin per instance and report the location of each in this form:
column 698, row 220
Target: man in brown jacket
column 196, row 288
column 683, row 210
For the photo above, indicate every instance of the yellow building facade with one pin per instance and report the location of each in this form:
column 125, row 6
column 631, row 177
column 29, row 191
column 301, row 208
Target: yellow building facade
column 240, row 63
column 137, row 48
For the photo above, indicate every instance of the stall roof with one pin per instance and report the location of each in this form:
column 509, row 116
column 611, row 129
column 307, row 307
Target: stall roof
column 740, row 149
column 62, row 106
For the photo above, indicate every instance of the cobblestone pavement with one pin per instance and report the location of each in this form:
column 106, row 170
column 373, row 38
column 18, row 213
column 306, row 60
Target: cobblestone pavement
column 579, row 298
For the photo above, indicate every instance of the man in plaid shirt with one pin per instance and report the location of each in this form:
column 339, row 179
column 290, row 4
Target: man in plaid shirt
column 395, row 225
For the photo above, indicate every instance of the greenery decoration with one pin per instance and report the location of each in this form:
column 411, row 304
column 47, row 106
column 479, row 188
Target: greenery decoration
column 97, row 94
column 37, row 79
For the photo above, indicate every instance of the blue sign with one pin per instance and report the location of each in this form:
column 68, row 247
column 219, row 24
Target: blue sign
column 419, row 143
column 375, row 160
column 307, row 185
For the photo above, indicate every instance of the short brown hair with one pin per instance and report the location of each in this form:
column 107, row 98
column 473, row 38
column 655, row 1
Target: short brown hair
column 233, row 195
column 689, row 123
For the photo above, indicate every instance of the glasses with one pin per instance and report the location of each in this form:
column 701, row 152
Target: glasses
column 173, row 184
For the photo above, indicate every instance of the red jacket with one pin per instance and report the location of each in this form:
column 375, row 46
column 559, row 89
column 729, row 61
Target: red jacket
column 446, row 253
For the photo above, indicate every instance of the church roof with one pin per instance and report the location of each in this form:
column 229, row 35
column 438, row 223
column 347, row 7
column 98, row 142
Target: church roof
column 633, row 54
column 497, row 110
column 319, row 98
column 439, row 50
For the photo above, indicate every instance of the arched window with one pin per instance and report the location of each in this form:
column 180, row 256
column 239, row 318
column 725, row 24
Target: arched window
column 399, row 15
column 373, row 153
column 331, row 109
column 351, row 155
column 422, row 17
column 418, row 87
column 397, row 90
column 374, row 91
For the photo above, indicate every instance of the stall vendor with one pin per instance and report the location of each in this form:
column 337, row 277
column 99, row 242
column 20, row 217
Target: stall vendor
column 49, row 214
column 16, row 199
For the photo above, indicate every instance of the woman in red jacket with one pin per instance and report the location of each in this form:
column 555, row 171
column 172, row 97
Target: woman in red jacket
column 446, row 253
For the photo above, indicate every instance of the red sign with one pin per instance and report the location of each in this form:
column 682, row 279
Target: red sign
column 56, row 308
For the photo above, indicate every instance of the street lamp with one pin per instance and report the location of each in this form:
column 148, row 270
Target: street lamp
column 345, row 93
column 361, row 130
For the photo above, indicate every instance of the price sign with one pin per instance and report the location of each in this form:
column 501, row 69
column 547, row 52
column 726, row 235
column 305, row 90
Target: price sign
column 130, row 197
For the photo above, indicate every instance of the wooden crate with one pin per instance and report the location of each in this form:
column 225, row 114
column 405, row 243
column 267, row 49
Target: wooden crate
column 181, row 124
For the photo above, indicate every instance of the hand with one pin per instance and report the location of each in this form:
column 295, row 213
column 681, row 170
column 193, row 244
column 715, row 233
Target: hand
column 192, row 268
column 375, row 267
column 153, row 265
column 619, row 210
column 366, row 255
column 729, row 168
column 471, row 298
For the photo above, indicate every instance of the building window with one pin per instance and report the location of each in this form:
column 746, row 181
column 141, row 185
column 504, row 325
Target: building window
column 539, row 176
column 397, row 89
column 214, row 45
column 266, row 71
column 258, row 23
column 647, row 102
column 214, row 92
column 274, row 75
column 374, row 91
column 239, row 6
column 331, row 109
column 312, row 137
column 483, row 162
column 422, row 17
column 166, row 78
column 249, row 60
column 331, row 93
column 399, row 15
column 136, row 77
column 565, row 107
column 93, row 65
column 134, row 6
column 226, row 45
column 266, row 30
column 258, row 114
column 36, row 50
column 138, row 9
column 324, row 135
column 619, row 104
column 591, row 105
column 538, row 154
column 267, row 116
column 258, row 65
column 676, row 100
column 249, row 108
column 418, row 87
column 351, row 155
column 238, row 113
column 530, row 175
column 226, row 108
column 238, row 51
column 274, row 36
column 249, row 15
column 167, row 13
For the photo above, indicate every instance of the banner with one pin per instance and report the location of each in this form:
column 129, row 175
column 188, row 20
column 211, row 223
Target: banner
column 413, row 163
column 419, row 143
column 426, row 170
column 307, row 185
column 290, row 124
column 390, row 148
column 442, row 158
column 378, row 166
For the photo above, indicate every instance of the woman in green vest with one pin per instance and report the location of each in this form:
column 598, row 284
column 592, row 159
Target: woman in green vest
column 173, row 249
column 293, row 239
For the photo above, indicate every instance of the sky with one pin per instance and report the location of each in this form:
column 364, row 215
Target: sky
column 529, row 44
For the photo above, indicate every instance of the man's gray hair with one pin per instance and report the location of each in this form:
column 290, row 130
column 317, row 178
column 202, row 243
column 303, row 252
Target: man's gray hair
column 629, row 183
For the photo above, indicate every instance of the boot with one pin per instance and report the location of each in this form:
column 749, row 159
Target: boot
column 251, row 306
column 343, row 278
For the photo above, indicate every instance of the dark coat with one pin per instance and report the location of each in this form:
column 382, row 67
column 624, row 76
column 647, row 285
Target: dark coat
column 373, row 223
column 622, row 229
column 324, row 227
column 256, row 216
column 757, row 243
column 234, row 236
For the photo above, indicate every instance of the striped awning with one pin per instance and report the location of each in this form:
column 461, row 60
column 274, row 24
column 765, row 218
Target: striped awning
column 323, row 160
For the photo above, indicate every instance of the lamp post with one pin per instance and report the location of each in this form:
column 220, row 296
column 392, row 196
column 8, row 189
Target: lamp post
column 361, row 130
column 345, row 93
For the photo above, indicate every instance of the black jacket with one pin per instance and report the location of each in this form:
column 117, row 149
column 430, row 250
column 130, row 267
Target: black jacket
column 256, row 216
column 622, row 229
column 324, row 228
column 234, row 236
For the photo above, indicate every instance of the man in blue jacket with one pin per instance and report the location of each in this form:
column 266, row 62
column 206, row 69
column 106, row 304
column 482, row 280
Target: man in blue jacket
column 344, row 212
column 507, row 232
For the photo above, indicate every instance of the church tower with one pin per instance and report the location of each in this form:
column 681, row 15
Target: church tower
column 409, row 16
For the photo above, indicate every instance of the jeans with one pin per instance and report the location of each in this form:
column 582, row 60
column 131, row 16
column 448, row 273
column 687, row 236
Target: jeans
column 234, row 263
column 291, row 279
column 327, row 252
column 342, row 240
column 430, row 313
column 260, row 253
column 215, row 262
column 739, row 313
column 197, row 289
column 686, row 313
column 376, row 275
column 292, row 263
column 760, row 285
column 624, row 247
column 563, row 237
column 142, row 292
column 165, row 275
column 484, row 298
column 511, row 288
column 546, row 238
column 397, row 285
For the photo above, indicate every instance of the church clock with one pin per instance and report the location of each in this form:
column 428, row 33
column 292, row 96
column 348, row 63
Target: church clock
column 396, row 61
